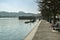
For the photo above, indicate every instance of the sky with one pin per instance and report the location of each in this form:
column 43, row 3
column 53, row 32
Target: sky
column 28, row 6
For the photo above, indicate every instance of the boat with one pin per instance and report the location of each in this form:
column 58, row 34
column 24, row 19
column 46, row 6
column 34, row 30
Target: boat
column 31, row 21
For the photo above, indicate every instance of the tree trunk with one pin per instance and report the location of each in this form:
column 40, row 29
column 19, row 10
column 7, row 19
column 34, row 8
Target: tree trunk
column 54, row 18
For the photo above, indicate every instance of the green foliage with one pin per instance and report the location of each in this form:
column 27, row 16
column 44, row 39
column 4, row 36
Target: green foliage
column 49, row 8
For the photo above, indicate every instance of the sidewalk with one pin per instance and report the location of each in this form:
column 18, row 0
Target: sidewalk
column 45, row 33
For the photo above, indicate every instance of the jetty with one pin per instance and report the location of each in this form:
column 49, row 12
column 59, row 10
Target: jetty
column 42, row 31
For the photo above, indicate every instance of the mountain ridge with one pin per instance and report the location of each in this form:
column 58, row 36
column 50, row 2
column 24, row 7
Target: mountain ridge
column 17, row 14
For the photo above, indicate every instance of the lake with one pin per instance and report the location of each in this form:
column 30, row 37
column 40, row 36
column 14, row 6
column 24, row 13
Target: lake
column 14, row 29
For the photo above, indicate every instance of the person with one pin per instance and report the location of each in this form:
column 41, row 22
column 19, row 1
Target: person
column 56, row 26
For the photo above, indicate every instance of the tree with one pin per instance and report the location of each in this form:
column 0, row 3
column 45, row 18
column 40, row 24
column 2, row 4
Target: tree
column 49, row 8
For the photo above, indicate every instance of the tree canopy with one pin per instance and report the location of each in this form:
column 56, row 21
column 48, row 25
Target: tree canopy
column 49, row 8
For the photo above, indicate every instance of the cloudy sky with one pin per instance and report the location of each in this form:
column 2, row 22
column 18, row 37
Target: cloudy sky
column 18, row 5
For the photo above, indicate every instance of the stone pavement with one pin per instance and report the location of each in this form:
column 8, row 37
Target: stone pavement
column 44, row 32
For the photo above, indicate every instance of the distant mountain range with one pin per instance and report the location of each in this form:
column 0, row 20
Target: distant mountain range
column 16, row 14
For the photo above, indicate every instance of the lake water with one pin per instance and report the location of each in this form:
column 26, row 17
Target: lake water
column 14, row 29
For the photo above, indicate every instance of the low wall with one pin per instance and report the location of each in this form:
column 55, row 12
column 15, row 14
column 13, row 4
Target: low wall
column 32, row 32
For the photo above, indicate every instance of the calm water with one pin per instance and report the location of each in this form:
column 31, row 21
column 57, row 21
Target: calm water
column 14, row 29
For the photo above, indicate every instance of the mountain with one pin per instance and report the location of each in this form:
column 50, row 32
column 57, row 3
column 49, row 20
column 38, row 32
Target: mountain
column 16, row 14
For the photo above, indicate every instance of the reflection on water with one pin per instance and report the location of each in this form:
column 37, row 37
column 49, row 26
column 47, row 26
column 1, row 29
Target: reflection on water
column 14, row 29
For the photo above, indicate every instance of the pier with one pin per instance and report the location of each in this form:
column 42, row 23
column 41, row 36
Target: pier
column 28, row 17
column 42, row 31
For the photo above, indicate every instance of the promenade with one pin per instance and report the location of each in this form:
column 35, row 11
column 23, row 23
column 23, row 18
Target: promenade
column 44, row 32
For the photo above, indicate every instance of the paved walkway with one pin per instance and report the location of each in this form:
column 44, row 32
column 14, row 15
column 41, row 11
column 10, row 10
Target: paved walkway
column 45, row 33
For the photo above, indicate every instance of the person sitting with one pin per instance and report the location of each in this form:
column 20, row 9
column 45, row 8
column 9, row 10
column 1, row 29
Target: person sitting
column 56, row 26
